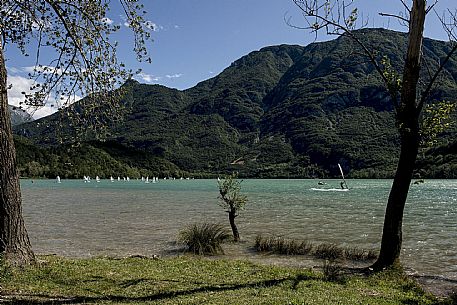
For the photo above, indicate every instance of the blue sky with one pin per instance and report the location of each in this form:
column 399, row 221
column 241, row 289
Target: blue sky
column 196, row 39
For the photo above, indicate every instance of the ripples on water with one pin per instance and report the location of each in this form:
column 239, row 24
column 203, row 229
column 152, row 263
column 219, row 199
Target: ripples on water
column 85, row 219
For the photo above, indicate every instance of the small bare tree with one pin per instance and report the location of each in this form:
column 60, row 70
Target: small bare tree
column 408, row 91
column 232, row 200
column 75, row 35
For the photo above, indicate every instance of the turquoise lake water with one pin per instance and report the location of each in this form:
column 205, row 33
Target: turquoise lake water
column 80, row 219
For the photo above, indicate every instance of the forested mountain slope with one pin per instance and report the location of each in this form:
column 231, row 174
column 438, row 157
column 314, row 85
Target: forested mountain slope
column 282, row 111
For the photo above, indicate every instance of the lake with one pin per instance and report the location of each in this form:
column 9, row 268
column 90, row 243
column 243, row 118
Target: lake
column 121, row 218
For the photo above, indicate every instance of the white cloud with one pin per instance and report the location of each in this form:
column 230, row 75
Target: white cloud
column 177, row 27
column 18, row 84
column 177, row 75
column 107, row 21
column 13, row 70
column 152, row 26
column 148, row 78
column 43, row 111
column 42, row 69
column 21, row 84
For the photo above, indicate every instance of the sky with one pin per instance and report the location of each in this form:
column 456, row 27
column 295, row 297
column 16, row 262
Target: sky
column 194, row 40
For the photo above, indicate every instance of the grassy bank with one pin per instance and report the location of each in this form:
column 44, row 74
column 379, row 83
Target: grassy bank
column 192, row 280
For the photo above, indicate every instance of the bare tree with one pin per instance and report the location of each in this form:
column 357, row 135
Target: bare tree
column 340, row 17
column 80, row 60
column 232, row 200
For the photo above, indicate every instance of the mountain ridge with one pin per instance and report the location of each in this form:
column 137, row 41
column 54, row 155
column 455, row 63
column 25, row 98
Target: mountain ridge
column 281, row 111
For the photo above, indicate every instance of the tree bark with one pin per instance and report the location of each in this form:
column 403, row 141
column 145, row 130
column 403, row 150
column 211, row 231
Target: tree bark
column 407, row 123
column 236, row 234
column 14, row 241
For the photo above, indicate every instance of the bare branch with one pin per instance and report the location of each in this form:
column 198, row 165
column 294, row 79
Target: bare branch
column 431, row 7
column 395, row 16
column 425, row 94
column 405, row 6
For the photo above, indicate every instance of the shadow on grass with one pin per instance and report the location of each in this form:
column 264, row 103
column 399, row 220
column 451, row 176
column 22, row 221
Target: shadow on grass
column 48, row 300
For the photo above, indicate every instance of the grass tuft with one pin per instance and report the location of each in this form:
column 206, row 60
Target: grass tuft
column 326, row 251
column 281, row 245
column 333, row 272
column 329, row 251
column 358, row 254
column 204, row 238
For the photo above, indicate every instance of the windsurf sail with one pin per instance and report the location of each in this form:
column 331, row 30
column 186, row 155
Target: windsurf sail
column 342, row 175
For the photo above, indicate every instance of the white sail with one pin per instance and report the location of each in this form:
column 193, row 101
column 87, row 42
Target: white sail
column 342, row 175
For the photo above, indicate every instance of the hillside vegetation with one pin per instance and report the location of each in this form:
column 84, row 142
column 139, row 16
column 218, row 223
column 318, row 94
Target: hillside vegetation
column 283, row 111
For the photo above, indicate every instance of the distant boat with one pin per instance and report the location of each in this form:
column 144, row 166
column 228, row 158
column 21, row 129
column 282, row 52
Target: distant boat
column 111, row 179
column 147, row 180
column 343, row 184
column 58, row 179
column 86, row 179
column 329, row 190
column 118, row 178
column 97, row 178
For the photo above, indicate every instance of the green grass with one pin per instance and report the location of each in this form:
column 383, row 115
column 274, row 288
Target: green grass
column 196, row 280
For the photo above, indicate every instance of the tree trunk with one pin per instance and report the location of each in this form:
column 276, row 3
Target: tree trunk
column 236, row 234
column 393, row 220
column 14, row 241
column 407, row 122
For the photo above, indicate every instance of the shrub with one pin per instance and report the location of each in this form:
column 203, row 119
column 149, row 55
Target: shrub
column 328, row 251
column 357, row 254
column 280, row 245
column 333, row 272
column 204, row 238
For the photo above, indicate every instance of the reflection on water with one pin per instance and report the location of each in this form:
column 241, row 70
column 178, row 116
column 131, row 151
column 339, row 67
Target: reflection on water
column 120, row 218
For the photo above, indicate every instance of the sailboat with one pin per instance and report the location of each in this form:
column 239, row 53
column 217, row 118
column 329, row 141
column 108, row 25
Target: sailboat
column 97, row 178
column 343, row 184
column 58, row 179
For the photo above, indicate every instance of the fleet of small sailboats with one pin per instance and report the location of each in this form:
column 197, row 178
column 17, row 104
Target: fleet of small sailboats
column 87, row 179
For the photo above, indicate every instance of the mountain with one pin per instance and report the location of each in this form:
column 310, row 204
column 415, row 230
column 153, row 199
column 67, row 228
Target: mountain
column 282, row 111
column 18, row 116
